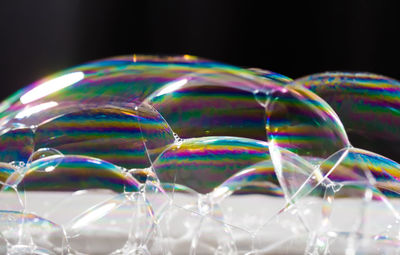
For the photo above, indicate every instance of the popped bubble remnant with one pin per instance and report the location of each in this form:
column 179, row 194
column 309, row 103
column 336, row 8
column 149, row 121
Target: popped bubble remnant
column 182, row 155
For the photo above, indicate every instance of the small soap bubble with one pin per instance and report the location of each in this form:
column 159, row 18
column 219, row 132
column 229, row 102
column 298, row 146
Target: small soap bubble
column 17, row 164
column 42, row 153
column 261, row 97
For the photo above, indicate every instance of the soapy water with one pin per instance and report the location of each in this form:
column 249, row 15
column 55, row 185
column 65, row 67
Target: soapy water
column 181, row 155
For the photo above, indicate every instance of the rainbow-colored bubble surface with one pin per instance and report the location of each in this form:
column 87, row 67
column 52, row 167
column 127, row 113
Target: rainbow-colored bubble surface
column 182, row 155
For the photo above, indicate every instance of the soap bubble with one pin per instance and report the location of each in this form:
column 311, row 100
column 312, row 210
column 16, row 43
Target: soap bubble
column 368, row 105
column 202, row 174
column 301, row 122
column 346, row 203
column 81, row 155
column 203, row 163
column 29, row 234
column 182, row 155
column 50, row 185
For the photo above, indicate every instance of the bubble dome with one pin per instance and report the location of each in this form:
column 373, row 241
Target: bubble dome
column 182, row 155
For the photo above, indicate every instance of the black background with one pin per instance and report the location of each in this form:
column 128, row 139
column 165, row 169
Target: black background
column 294, row 38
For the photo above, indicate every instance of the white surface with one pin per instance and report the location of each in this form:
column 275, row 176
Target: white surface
column 251, row 216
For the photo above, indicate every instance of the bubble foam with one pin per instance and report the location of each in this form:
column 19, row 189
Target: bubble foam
column 183, row 155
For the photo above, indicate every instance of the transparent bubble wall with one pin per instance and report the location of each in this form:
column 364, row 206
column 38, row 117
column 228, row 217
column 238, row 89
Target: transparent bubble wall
column 181, row 155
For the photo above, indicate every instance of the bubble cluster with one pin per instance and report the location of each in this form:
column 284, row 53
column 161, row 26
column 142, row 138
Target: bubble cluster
column 182, row 155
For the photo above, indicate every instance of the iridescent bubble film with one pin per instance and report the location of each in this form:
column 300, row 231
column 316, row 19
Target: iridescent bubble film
column 368, row 105
column 182, row 155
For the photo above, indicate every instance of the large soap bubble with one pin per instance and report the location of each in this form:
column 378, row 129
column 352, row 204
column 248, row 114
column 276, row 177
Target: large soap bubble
column 181, row 155
column 368, row 105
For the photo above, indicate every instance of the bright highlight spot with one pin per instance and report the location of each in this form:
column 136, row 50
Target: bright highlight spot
column 171, row 87
column 51, row 86
column 35, row 109
column 94, row 215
